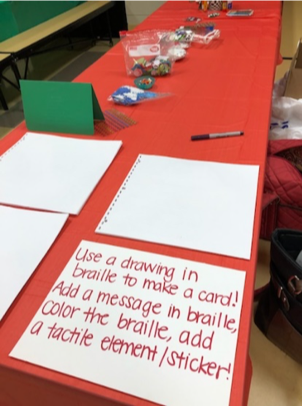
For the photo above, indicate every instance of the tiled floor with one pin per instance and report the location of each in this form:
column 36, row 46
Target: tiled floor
column 277, row 380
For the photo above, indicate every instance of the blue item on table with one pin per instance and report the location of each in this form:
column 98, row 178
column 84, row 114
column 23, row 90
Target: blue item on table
column 127, row 95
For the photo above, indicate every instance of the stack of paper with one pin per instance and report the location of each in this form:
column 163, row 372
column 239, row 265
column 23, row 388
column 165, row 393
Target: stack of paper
column 53, row 173
column 207, row 206
column 45, row 172
column 25, row 237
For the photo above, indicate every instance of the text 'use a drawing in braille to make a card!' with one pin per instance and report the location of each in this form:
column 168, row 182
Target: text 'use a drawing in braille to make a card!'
column 172, row 322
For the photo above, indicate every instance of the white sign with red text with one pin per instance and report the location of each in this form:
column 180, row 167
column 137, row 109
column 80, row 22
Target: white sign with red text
column 157, row 327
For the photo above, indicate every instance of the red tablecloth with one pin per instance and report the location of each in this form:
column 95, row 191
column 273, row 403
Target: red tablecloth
column 222, row 87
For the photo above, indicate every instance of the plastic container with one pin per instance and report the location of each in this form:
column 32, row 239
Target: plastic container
column 144, row 82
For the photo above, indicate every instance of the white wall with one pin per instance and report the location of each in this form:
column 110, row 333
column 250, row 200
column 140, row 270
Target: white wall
column 291, row 27
column 137, row 11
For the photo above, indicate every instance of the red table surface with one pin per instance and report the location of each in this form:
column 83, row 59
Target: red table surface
column 222, row 87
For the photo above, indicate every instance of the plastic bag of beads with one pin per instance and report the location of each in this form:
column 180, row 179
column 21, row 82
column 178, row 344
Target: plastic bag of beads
column 183, row 36
column 129, row 95
column 147, row 52
column 177, row 53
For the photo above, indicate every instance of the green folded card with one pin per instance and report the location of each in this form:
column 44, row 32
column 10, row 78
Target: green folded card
column 64, row 107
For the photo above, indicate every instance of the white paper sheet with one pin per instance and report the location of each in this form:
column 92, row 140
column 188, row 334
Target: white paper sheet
column 53, row 173
column 25, row 238
column 207, row 206
column 179, row 346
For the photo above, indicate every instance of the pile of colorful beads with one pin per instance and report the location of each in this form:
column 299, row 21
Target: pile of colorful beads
column 158, row 66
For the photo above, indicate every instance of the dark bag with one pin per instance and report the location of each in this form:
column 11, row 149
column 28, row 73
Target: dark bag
column 283, row 178
column 279, row 311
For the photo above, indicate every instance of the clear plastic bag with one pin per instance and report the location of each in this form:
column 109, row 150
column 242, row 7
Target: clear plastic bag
column 286, row 115
column 201, row 38
column 202, row 33
column 183, row 36
column 177, row 53
column 147, row 52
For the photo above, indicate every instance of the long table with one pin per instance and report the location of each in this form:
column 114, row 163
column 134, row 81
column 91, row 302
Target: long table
column 43, row 26
column 226, row 84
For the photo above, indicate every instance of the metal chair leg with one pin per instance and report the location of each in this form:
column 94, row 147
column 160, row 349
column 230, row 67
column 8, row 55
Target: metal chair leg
column 2, row 100
column 15, row 69
column 109, row 29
